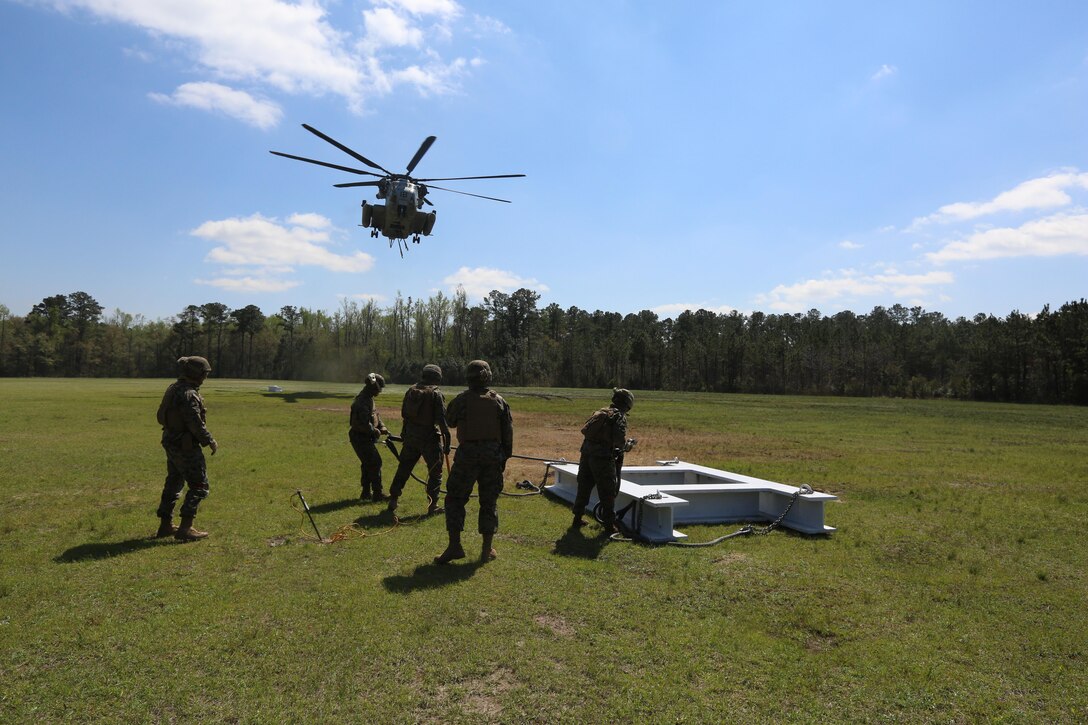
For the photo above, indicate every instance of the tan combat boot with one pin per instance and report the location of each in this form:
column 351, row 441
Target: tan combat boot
column 186, row 532
column 487, row 551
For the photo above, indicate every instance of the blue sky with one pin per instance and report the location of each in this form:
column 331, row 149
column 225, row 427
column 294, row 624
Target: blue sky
column 776, row 156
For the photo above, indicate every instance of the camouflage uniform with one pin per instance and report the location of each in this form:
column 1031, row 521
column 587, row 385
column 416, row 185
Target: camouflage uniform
column 184, row 431
column 366, row 429
column 601, row 459
column 485, row 439
column 425, row 434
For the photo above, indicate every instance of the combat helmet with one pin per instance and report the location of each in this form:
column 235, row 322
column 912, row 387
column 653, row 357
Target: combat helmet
column 193, row 367
column 432, row 374
column 623, row 399
column 375, row 382
column 478, row 372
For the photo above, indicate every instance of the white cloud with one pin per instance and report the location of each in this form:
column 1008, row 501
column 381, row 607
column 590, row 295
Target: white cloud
column 851, row 286
column 289, row 46
column 847, row 244
column 441, row 8
column 435, row 78
column 366, row 296
column 676, row 308
column 384, row 28
column 1061, row 234
column 885, row 71
column 1047, row 192
column 293, row 48
column 261, row 250
column 311, row 221
column 233, row 103
column 249, row 284
column 479, row 281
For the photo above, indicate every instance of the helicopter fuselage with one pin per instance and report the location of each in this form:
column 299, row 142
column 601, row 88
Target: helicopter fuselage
column 400, row 217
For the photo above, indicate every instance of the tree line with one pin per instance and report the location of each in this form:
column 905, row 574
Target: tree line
column 894, row 351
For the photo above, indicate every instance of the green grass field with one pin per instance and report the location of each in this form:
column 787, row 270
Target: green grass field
column 953, row 591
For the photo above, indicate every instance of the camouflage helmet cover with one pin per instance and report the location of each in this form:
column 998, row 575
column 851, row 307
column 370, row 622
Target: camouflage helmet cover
column 479, row 372
column 432, row 374
column 193, row 366
column 623, row 398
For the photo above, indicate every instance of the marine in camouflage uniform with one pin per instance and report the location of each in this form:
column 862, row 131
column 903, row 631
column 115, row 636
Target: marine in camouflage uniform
column 425, row 434
column 183, row 418
column 485, row 440
column 366, row 429
column 604, row 443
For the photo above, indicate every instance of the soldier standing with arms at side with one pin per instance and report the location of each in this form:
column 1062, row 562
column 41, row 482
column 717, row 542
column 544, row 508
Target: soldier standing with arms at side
column 605, row 442
column 425, row 434
column 182, row 416
column 485, row 439
column 366, row 429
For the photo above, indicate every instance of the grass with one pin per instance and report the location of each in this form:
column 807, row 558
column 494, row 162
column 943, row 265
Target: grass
column 953, row 590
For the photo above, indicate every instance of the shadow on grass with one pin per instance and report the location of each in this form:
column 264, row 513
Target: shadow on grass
column 576, row 542
column 307, row 395
column 431, row 576
column 106, row 550
column 324, row 508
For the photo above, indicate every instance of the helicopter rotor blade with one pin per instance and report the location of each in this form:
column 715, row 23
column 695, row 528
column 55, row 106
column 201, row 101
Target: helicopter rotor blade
column 478, row 196
column 423, row 148
column 357, row 183
column 345, row 149
column 323, row 163
column 460, row 178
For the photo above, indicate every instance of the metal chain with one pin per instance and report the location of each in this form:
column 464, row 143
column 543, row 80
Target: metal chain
column 764, row 530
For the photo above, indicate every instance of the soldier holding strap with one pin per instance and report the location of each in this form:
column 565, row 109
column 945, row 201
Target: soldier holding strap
column 366, row 429
column 425, row 434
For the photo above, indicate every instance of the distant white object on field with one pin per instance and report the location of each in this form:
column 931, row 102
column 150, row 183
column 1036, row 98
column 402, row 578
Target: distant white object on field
column 275, row 389
column 693, row 494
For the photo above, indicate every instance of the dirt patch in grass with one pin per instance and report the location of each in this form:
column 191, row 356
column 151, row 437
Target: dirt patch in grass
column 482, row 696
column 730, row 560
column 558, row 625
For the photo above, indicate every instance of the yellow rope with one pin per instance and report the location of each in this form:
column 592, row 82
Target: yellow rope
column 345, row 532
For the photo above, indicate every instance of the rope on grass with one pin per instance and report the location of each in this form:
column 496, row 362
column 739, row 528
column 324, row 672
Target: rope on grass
column 345, row 532
column 527, row 485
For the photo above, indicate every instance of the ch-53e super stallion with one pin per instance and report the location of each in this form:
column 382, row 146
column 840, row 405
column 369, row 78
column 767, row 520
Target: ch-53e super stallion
column 400, row 217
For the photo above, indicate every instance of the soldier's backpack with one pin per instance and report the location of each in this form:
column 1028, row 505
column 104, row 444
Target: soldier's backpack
column 418, row 405
column 599, row 426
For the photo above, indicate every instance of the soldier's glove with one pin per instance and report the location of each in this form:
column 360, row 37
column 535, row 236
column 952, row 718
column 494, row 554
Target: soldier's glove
column 631, row 443
column 214, row 446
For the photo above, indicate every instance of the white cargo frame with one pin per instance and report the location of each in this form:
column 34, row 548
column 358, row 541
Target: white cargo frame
column 693, row 494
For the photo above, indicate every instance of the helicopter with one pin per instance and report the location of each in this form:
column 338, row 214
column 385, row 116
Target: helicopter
column 401, row 216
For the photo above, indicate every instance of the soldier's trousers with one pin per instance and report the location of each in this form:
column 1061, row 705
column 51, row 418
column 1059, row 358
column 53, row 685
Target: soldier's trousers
column 599, row 471
column 475, row 462
column 370, row 463
column 410, row 453
column 183, row 467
